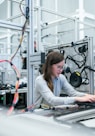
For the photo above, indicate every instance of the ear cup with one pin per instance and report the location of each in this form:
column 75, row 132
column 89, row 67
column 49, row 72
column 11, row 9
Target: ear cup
column 75, row 79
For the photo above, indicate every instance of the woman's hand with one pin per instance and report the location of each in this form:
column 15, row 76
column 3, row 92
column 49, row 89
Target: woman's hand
column 86, row 98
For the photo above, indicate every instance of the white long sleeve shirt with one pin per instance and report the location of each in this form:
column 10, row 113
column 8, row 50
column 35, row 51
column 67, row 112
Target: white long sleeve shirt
column 43, row 94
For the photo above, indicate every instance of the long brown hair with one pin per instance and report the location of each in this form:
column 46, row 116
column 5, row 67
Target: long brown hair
column 52, row 58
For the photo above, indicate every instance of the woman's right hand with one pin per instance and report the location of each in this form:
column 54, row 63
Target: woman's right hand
column 86, row 98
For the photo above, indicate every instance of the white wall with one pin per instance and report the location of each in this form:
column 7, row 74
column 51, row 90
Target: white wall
column 89, row 6
column 3, row 10
column 67, row 6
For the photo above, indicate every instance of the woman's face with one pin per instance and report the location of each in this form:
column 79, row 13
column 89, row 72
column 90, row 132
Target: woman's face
column 57, row 69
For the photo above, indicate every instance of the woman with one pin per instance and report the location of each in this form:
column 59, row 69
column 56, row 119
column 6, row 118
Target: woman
column 49, row 85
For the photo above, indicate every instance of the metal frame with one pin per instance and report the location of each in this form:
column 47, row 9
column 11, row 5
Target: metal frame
column 9, row 25
column 31, row 55
column 30, row 51
column 91, row 63
column 89, row 40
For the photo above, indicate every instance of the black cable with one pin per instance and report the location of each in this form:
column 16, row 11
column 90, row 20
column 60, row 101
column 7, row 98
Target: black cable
column 88, row 67
column 23, row 30
column 86, row 78
column 83, row 52
column 75, row 61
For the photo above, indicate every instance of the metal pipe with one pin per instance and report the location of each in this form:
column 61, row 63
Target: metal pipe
column 15, row 1
column 30, row 51
column 76, row 30
column 63, row 16
column 90, row 60
column 55, row 23
column 14, row 17
column 85, row 23
column 56, row 13
column 11, row 25
column 39, row 29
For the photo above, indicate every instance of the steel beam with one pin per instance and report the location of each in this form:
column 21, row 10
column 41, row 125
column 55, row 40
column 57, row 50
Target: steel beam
column 13, row 26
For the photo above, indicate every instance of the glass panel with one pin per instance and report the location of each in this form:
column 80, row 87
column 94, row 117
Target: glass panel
column 89, row 6
column 12, row 11
column 9, row 42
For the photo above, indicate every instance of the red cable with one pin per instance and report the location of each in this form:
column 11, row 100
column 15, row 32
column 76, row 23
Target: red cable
column 16, row 95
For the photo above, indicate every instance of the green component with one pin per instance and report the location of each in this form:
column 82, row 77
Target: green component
column 2, row 98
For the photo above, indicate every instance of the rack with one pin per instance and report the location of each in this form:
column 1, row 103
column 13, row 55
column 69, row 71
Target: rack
column 77, row 34
column 41, row 30
column 6, row 97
